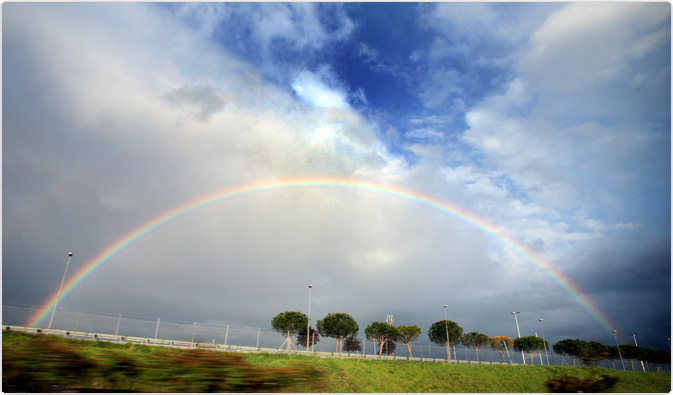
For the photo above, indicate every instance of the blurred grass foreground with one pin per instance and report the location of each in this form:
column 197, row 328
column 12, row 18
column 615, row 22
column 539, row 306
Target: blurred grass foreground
column 46, row 363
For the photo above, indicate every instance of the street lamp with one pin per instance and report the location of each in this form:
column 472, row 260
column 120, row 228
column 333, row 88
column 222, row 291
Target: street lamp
column 308, row 324
column 636, row 343
column 448, row 346
column 545, row 342
column 614, row 332
column 58, row 296
column 516, row 313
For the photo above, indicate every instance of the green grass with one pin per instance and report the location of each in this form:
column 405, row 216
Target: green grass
column 45, row 363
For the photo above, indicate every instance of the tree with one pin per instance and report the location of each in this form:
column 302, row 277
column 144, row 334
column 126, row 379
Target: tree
column 531, row 345
column 351, row 344
column 313, row 338
column 614, row 354
column 501, row 344
column 570, row 347
column 389, row 347
column 408, row 334
column 337, row 326
column 593, row 353
column 474, row 340
column 288, row 323
column 381, row 332
column 437, row 333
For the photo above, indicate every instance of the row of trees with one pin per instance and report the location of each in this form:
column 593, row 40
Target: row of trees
column 342, row 326
column 591, row 353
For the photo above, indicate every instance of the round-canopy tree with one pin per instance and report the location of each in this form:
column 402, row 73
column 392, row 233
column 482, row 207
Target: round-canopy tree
column 288, row 323
column 408, row 333
column 501, row 344
column 338, row 326
column 381, row 332
column 594, row 353
column 437, row 333
column 531, row 345
column 474, row 340
column 570, row 347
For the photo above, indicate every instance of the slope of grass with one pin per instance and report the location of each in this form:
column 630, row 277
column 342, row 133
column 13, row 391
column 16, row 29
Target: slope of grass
column 41, row 363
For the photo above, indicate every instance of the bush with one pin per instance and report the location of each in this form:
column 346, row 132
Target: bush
column 573, row 384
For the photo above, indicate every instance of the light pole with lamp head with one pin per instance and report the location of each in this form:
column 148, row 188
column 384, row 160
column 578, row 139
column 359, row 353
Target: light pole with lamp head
column 516, row 313
column 448, row 346
column 545, row 342
column 58, row 296
column 308, row 324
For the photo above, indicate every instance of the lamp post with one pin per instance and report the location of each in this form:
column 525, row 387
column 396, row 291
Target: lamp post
column 308, row 324
column 516, row 313
column 58, row 296
column 545, row 342
column 636, row 343
column 614, row 332
column 448, row 346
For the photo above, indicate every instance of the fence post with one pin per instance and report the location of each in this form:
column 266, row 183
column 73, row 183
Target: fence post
column 156, row 333
column 30, row 315
column 77, row 322
column 226, row 335
column 119, row 320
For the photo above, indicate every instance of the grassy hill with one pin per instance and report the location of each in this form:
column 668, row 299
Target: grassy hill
column 43, row 363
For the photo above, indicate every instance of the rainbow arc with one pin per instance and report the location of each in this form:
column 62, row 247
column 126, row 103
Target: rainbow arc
column 429, row 202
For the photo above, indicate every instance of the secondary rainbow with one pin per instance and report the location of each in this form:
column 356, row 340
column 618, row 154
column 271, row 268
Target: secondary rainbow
column 316, row 183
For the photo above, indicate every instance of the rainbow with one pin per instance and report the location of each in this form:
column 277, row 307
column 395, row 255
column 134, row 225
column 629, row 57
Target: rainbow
column 317, row 183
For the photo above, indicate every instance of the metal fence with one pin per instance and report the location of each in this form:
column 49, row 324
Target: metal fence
column 228, row 336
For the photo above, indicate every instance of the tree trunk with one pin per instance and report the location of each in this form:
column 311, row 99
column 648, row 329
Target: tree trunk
column 476, row 349
column 409, row 348
column 502, row 353
column 289, row 342
column 383, row 342
column 532, row 359
column 337, row 344
column 632, row 368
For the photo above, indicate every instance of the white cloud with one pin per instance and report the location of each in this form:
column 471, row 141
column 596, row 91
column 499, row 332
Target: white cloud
column 296, row 25
column 585, row 44
column 311, row 88
column 425, row 134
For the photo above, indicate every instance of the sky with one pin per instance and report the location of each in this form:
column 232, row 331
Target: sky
column 548, row 123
